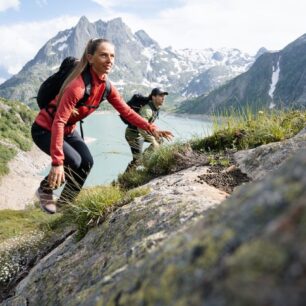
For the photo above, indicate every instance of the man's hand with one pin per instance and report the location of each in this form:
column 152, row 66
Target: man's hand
column 56, row 176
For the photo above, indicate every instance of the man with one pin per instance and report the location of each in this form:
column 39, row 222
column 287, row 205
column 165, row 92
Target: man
column 136, row 136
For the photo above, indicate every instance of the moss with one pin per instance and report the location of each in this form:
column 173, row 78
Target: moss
column 254, row 272
column 256, row 260
column 302, row 224
column 293, row 190
column 213, row 244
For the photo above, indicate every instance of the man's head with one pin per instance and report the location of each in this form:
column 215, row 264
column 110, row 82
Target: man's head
column 158, row 96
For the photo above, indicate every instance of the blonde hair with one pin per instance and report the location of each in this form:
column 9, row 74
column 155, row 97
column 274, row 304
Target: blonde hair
column 82, row 64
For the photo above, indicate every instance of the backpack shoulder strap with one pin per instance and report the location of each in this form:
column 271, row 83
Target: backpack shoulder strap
column 87, row 82
column 86, row 75
column 107, row 90
column 154, row 110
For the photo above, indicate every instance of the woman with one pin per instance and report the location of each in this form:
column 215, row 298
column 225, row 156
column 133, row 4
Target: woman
column 56, row 135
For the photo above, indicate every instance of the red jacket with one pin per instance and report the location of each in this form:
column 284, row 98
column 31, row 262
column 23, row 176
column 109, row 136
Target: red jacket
column 64, row 114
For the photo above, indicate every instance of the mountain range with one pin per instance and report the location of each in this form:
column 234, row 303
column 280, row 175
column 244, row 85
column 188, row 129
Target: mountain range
column 140, row 63
column 275, row 80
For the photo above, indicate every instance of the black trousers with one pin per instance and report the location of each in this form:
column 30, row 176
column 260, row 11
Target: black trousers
column 77, row 163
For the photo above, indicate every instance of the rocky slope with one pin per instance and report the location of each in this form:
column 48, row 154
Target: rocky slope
column 179, row 245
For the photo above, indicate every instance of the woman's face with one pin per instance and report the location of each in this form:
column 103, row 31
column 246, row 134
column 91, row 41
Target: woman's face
column 103, row 59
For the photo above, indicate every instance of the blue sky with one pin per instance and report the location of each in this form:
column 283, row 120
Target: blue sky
column 25, row 25
column 29, row 10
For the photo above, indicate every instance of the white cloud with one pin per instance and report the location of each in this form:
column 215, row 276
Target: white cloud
column 7, row 4
column 41, row 3
column 1, row 80
column 113, row 3
column 247, row 25
column 23, row 40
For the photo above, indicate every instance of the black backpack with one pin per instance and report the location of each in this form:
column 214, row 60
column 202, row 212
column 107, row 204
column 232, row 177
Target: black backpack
column 52, row 85
column 136, row 102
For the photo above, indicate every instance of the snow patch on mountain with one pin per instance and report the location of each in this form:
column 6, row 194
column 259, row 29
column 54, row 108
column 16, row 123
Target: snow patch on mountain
column 274, row 81
column 60, row 40
column 62, row 47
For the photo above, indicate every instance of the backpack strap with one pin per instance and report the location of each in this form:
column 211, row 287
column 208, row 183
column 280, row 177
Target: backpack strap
column 87, row 81
column 86, row 75
column 154, row 110
column 107, row 90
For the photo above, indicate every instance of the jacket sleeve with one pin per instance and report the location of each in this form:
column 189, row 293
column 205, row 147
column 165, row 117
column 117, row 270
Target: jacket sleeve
column 127, row 113
column 71, row 96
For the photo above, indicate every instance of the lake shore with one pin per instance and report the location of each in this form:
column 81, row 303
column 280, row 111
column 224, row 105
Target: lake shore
column 17, row 189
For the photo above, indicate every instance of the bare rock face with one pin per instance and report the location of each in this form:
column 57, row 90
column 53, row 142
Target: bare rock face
column 177, row 246
column 121, row 243
column 258, row 162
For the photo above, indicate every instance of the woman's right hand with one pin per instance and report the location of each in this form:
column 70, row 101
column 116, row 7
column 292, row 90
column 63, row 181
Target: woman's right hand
column 56, row 176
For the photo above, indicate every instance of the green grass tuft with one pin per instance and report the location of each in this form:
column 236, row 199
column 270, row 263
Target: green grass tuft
column 247, row 130
column 161, row 161
column 94, row 204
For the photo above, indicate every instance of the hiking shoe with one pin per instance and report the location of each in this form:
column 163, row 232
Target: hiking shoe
column 46, row 201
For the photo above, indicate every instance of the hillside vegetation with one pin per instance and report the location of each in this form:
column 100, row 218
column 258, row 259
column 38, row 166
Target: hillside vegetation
column 15, row 122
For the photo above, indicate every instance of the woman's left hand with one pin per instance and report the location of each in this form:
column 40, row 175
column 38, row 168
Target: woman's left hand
column 163, row 134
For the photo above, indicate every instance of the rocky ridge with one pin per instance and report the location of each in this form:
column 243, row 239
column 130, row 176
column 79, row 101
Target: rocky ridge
column 141, row 63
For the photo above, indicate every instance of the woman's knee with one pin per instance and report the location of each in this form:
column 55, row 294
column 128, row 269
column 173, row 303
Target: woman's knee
column 87, row 163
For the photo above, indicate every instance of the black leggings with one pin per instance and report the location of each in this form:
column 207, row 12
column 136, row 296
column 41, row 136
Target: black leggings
column 77, row 164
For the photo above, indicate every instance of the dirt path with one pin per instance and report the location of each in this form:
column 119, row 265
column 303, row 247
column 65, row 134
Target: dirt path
column 17, row 189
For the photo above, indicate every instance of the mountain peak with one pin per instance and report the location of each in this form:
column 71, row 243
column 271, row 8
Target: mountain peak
column 261, row 51
column 83, row 20
column 145, row 39
column 117, row 20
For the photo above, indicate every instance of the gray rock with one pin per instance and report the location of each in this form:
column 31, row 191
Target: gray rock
column 258, row 162
column 124, row 240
